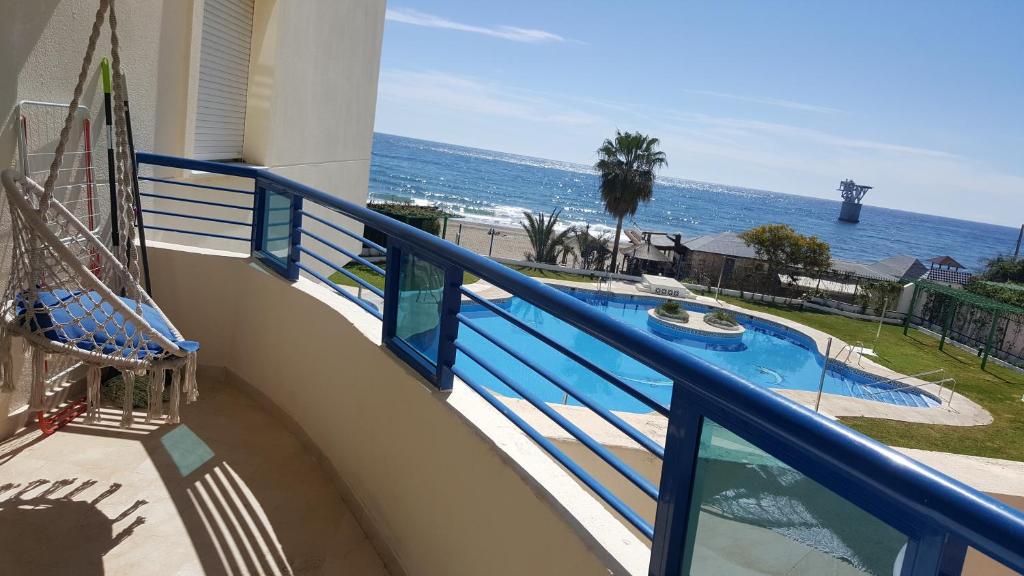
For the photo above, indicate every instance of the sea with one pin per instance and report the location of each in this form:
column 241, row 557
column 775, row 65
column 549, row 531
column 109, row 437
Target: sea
column 497, row 188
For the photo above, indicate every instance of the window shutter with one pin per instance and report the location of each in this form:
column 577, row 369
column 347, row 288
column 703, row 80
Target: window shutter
column 223, row 79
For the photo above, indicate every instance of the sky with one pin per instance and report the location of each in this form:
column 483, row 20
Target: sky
column 922, row 100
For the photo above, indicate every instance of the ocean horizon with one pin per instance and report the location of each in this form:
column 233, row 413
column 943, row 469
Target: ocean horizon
column 496, row 188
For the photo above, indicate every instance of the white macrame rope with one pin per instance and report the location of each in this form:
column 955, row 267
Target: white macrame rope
column 125, row 165
column 65, row 132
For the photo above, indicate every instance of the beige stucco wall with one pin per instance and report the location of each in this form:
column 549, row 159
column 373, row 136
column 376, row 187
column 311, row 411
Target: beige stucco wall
column 45, row 40
column 439, row 496
column 313, row 91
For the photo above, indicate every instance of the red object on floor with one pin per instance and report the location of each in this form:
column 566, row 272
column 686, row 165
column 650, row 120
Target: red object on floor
column 66, row 414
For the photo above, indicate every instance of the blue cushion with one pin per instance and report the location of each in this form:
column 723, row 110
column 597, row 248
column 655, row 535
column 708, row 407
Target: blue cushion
column 96, row 323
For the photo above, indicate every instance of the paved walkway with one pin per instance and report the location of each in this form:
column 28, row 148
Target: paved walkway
column 229, row 491
column 997, row 477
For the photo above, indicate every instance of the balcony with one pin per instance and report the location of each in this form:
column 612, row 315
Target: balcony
column 339, row 431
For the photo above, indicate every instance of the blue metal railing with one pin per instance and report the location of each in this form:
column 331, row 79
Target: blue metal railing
column 238, row 210
column 939, row 516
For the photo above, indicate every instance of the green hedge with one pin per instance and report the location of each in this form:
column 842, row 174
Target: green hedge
column 1007, row 293
column 426, row 218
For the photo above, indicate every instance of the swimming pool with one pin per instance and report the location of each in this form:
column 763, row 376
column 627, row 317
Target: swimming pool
column 769, row 354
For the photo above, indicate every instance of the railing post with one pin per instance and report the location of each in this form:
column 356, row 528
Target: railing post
column 259, row 208
column 295, row 240
column 451, row 303
column 391, row 290
column 673, row 534
column 954, row 553
column 935, row 553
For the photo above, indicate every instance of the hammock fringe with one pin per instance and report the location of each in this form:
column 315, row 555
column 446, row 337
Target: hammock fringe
column 128, row 399
column 191, row 386
column 38, row 392
column 173, row 416
column 92, row 394
column 7, row 375
column 152, row 400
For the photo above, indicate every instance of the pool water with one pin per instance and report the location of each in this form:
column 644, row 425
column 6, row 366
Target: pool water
column 769, row 355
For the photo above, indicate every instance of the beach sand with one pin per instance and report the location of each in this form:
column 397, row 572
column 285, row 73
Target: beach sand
column 509, row 242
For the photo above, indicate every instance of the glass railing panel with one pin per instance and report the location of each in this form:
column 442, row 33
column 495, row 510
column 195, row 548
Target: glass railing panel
column 753, row 514
column 418, row 313
column 277, row 226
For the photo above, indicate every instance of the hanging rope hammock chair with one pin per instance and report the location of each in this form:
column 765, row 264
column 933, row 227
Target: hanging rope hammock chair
column 69, row 295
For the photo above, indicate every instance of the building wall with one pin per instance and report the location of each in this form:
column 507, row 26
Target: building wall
column 313, row 91
column 45, row 41
column 706, row 267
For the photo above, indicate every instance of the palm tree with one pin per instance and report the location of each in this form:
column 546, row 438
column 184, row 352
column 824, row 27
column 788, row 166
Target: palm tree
column 546, row 245
column 593, row 250
column 627, row 165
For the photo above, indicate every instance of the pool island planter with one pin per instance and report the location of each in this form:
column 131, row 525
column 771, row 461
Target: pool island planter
column 695, row 326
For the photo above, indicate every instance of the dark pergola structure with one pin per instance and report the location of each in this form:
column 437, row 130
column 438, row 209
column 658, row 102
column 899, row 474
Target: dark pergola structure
column 961, row 297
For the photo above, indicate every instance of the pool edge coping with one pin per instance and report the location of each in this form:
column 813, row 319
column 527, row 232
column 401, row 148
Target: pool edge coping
column 959, row 411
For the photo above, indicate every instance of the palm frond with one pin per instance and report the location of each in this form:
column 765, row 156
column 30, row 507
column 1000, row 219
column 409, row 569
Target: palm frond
column 547, row 245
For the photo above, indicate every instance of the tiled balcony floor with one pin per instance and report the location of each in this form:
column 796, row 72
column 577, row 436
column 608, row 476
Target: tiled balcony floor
column 229, row 491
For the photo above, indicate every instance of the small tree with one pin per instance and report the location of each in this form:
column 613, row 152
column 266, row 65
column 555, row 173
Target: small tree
column 1004, row 269
column 547, row 245
column 876, row 294
column 592, row 250
column 783, row 248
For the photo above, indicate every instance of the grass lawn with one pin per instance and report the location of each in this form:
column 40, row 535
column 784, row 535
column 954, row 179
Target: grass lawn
column 552, row 274
column 377, row 280
column 374, row 278
column 996, row 388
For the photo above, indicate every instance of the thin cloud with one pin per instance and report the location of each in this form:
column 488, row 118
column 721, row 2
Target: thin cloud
column 746, row 129
column 513, row 33
column 777, row 102
column 429, row 89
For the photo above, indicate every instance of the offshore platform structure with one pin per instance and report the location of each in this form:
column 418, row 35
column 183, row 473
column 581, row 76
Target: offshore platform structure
column 852, row 193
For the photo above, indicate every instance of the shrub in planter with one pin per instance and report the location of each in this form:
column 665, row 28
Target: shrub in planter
column 673, row 311
column 722, row 319
column 426, row 218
